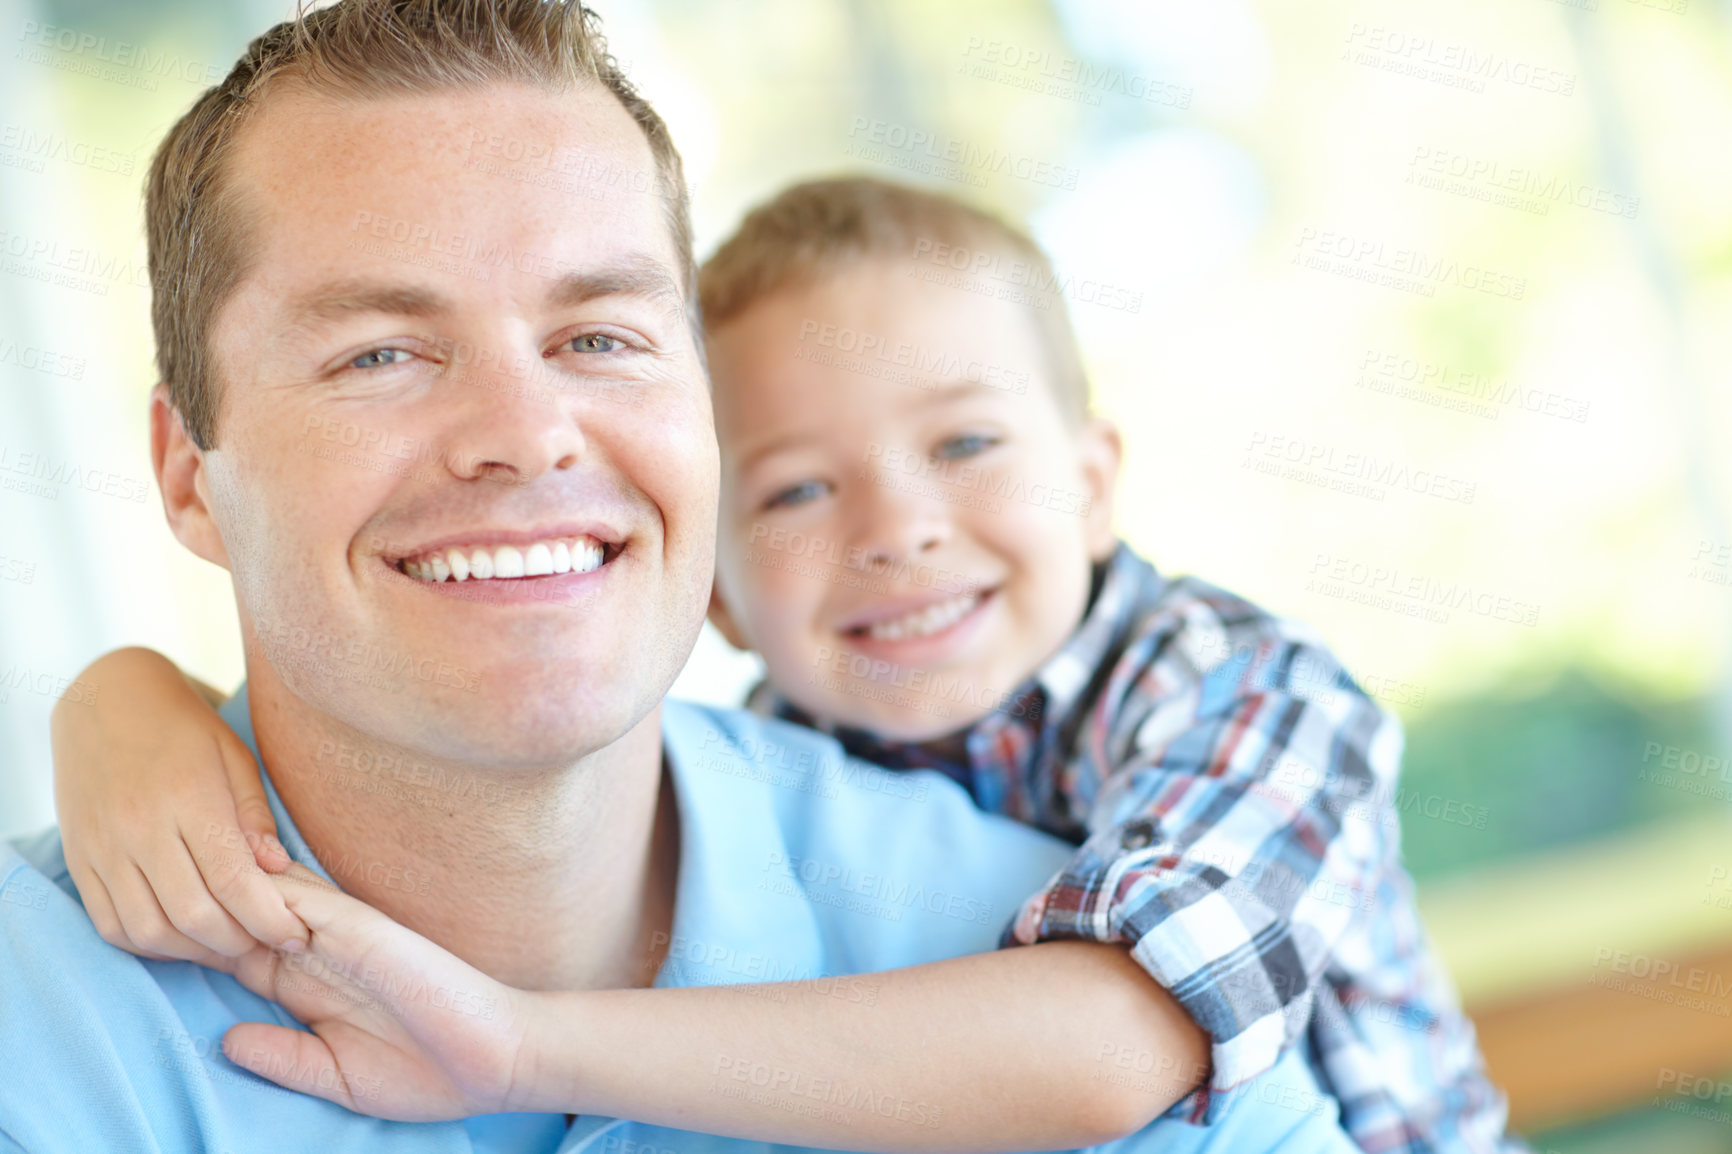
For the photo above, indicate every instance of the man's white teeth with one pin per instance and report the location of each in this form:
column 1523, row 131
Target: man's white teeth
column 566, row 555
column 932, row 619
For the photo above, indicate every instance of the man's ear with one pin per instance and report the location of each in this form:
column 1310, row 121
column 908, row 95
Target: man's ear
column 180, row 474
column 724, row 621
column 1101, row 452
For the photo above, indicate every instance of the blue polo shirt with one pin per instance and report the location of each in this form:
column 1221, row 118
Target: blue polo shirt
column 796, row 862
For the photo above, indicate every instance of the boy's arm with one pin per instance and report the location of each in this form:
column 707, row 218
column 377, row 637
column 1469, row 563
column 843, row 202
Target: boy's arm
column 1255, row 798
column 1051, row 1048
column 1058, row 1046
column 162, row 814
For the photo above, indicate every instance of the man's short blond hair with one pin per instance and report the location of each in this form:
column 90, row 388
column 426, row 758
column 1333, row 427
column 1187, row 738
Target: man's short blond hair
column 196, row 231
column 813, row 230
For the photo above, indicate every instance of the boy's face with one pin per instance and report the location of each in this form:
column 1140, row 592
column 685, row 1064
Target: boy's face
column 908, row 517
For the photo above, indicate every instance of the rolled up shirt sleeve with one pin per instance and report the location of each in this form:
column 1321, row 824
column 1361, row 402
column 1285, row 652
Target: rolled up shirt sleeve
column 1243, row 819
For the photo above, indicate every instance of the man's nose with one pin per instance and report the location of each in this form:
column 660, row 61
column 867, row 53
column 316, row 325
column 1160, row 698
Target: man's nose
column 510, row 426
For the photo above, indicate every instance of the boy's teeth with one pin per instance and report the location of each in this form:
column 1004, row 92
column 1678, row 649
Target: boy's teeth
column 564, row 555
column 932, row 619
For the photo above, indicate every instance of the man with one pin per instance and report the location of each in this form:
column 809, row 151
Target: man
column 453, row 229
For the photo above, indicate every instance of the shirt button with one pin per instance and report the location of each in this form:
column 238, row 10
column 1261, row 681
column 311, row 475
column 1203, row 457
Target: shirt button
column 1137, row 834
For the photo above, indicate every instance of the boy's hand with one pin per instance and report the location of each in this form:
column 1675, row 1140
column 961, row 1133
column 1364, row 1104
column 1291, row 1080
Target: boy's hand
column 401, row 1028
column 164, row 821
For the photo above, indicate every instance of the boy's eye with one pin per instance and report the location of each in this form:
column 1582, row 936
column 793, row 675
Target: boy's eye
column 967, row 445
column 379, row 358
column 797, row 495
column 596, row 343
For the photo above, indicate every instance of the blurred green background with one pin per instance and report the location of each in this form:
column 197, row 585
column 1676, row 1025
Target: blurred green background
column 1384, row 241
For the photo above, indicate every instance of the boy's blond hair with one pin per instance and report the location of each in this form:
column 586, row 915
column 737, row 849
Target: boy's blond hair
column 196, row 231
column 815, row 229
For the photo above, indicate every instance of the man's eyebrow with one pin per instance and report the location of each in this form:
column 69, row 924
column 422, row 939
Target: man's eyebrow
column 347, row 298
column 639, row 276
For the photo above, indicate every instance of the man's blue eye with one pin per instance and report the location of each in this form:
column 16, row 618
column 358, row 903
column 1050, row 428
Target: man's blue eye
column 596, row 343
column 968, row 445
column 378, row 359
column 797, row 494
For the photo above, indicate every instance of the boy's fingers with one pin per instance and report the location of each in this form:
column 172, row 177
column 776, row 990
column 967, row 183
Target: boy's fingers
column 247, row 895
column 100, row 907
column 143, row 921
column 185, row 897
column 346, row 924
column 252, row 809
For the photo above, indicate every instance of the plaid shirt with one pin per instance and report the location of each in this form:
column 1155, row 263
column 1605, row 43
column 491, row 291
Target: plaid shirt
column 1232, row 794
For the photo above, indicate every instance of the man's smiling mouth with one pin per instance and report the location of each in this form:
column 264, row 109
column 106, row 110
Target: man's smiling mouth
column 545, row 558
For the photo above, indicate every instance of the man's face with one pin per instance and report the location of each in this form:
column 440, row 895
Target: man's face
column 908, row 517
column 445, row 356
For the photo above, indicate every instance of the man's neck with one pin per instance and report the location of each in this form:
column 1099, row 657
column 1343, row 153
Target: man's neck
column 554, row 879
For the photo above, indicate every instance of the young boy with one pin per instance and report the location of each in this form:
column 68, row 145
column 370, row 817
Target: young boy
column 916, row 537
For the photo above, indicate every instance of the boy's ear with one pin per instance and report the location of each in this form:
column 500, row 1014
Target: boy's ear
column 180, row 473
column 1100, row 453
column 724, row 621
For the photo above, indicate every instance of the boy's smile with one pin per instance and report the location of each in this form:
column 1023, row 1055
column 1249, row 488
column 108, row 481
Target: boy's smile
column 904, row 538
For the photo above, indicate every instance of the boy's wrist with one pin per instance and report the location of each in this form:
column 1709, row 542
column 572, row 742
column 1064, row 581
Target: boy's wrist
column 552, row 1068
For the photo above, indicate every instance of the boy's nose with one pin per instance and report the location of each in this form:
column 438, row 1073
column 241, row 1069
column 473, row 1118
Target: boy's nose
column 896, row 526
